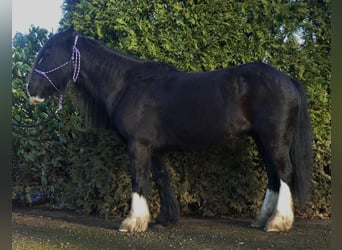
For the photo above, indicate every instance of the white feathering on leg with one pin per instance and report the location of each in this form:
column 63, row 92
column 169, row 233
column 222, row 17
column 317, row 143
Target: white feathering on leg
column 139, row 216
column 267, row 208
column 283, row 217
column 139, row 206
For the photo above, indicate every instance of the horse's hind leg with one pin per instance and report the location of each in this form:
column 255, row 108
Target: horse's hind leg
column 276, row 213
column 139, row 215
column 169, row 209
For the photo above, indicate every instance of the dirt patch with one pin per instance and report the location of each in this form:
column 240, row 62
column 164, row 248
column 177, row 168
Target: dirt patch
column 44, row 229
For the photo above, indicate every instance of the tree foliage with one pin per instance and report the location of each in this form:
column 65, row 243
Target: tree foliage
column 194, row 35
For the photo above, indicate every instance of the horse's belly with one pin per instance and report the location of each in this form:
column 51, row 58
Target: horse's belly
column 195, row 137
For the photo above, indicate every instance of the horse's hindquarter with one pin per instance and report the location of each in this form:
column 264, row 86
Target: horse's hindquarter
column 271, row 94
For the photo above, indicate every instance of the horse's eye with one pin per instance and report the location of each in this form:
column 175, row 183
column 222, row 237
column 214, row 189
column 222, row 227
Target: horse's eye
column 48, row 51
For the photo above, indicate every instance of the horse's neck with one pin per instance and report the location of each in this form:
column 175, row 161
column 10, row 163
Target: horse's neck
column 103, row 70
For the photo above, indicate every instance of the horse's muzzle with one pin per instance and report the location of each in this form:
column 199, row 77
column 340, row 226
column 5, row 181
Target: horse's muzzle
column 36, row 100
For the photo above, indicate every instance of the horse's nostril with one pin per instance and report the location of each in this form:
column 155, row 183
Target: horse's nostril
column 36, row 100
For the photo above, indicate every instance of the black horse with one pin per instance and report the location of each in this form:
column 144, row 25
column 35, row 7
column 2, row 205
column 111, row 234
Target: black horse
column 156, row 108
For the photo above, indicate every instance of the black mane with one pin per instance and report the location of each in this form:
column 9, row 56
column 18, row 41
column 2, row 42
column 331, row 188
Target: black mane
column 104, row 52
column 91, row 103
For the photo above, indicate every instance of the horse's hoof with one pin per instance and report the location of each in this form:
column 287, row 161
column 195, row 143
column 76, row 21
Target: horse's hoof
column 279, row 223
column 256, row 223
column 134, row 224
column 260, row 220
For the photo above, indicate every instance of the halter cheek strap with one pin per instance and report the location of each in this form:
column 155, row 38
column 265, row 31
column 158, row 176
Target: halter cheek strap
column 76, row 62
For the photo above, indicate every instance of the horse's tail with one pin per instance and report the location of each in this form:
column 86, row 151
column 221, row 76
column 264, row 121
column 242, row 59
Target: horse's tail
column 301, row 151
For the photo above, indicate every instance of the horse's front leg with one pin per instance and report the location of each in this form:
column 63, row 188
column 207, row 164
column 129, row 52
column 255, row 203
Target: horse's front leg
column 169, row 208
column 139, row 215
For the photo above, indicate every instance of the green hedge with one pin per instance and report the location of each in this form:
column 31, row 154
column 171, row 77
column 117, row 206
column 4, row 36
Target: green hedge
column 88, row 170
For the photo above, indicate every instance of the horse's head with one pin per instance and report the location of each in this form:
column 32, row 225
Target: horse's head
column 57, row 63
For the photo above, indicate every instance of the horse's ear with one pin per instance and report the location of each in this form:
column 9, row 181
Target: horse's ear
column 70, row 32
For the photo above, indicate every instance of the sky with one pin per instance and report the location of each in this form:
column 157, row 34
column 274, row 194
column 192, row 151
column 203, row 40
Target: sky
column 43, row 13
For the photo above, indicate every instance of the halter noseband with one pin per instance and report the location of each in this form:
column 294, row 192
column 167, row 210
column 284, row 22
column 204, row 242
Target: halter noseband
column 76, row 62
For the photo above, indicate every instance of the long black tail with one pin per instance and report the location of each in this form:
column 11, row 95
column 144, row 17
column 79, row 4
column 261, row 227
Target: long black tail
column 301, row 152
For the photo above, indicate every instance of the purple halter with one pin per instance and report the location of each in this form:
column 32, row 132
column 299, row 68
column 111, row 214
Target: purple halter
column 76, row 62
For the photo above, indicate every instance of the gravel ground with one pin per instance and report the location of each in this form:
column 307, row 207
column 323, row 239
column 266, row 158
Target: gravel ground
column 44, row 229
